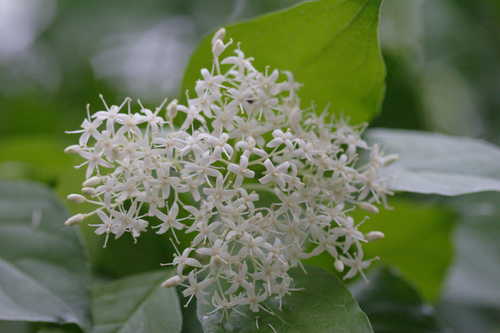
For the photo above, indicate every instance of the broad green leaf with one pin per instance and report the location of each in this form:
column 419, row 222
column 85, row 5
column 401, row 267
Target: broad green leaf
column 325, row 305
column 418, row 242
column 439, row 164
column 43, row 269
column 475, row 274
column 331, row 46
column 393, row 305
column 35, row 158
column 136, row 304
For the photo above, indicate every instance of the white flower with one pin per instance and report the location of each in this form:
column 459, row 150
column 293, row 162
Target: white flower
column 195, row 287
column 169, row 221
column 356, row 264
column 253, row 298
column 274, row 174
column 94, row 160
column 183, row 260
column 241, row 170
column 260, row 184
column 89, row 130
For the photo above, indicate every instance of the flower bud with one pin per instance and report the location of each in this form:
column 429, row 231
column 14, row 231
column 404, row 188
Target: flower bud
column 172, row 282
column 374, row 235
column 386, row 160
column 92, row 181
column 218, row 47
column 172, row 109
column 219, row 35
column 368, row 207
column 339, row 265
column 88, row 190
column 73, row 149
column 78, row 198
column 75, row 219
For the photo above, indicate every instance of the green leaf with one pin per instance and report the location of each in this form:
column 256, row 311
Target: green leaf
column 43, row 270
column 439, row 164
column 331, row 46
column 324, row 305
column 393, row 305
column 35, row 158
column 418, row 242
column 136, row 304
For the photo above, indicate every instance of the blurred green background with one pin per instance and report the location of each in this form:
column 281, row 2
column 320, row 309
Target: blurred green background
column 443, row 75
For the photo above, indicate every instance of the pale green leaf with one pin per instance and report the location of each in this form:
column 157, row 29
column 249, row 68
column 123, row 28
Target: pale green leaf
column 43, row 270
column 439, row 164
column 475, row 274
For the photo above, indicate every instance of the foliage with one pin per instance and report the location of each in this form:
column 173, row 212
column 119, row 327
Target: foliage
column 418, row 243
column 40, row 259
column 393, row 305
column 475, row 271
column 440, row 250
column 439, row 164
column 323, row 305
column 136, row 304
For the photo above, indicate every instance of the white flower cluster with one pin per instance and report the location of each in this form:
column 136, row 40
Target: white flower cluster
column 260, row 184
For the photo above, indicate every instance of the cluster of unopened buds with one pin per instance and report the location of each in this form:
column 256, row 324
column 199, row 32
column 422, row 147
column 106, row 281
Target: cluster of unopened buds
column 260, row 184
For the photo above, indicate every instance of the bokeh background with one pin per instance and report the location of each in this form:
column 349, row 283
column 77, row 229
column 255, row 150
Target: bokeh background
column 443, row 75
